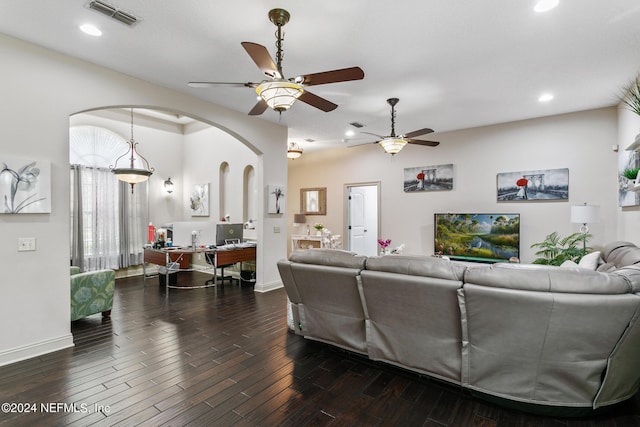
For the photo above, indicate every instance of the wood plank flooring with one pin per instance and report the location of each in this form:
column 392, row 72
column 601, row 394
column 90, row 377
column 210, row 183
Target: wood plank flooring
column 222, row 357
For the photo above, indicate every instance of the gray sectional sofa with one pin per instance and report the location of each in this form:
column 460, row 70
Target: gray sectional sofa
column 536, row 336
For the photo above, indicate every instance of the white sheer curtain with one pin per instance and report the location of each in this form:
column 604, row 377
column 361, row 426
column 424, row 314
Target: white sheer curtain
column 97, row 218
column 108, row 222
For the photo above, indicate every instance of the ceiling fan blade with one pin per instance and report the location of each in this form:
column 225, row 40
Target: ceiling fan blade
column 261, row 57
column 418, row 132
column 211, row 84
column 318, row 102
column 259, row 108
column 375, row 134
column 335, row 76
column 421, row 142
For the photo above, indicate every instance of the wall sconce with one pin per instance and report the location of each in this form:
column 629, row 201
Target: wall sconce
column 168, row 185
column 585, row 214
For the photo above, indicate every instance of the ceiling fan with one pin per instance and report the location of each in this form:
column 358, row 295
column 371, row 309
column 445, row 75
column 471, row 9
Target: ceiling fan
column 280, row 93
column 392, row 144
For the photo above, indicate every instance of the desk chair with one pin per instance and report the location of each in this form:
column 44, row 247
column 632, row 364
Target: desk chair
column 210, row 258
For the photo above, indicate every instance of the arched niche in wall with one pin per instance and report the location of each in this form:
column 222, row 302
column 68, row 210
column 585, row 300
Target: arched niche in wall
column 249, row 194
column 224, row 195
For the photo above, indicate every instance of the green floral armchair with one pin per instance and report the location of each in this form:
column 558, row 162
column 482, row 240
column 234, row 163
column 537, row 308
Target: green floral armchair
column 91, row 292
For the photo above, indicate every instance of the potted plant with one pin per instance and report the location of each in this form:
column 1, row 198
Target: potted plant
column 554, row 250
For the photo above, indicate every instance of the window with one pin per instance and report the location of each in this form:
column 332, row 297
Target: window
column 108, row 222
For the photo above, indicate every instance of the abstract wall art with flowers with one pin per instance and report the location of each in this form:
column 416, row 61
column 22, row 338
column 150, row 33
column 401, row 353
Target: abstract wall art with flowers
column 199, row 200
column 428, row 178
column 25, row 185
column 545, row 184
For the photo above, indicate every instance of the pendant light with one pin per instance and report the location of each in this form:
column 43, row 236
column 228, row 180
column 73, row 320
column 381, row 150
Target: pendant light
column 132, row 175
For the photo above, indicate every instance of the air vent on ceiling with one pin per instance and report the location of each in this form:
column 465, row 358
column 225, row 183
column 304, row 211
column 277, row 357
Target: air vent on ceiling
column 356, row 125
column 113, row 12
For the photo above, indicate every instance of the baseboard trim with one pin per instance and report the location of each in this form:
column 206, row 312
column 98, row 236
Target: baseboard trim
column 34, row 350
column 267, row 287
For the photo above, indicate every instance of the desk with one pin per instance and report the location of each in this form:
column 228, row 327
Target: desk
column 179, row 259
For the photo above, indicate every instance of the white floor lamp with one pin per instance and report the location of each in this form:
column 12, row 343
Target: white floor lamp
column 585, row 214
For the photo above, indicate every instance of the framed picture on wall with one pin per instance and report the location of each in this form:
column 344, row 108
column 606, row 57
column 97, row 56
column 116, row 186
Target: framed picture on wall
column 276, row 199
column 428, row 178
column 199, row 200
column 544, row 184
column 25, row 185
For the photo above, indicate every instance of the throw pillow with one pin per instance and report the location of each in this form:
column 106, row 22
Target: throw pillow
column 569, row 264
column 590, row 261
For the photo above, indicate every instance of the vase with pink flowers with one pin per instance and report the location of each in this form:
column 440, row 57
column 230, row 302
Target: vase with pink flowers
column 384, row 246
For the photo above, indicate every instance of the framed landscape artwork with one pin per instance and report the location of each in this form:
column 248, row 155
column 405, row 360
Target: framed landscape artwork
column 545, row 184
column 25, row 185
column 428, row 178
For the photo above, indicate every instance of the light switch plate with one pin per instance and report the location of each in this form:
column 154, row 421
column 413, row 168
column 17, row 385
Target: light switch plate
column 26, row 244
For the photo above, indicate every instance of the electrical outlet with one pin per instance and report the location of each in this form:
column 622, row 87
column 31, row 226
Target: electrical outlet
column 26, row 244
column 276, row 229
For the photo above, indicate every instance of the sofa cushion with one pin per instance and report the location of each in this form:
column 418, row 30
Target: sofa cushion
column 331, row 257
column 543, row 278
column 426, row 266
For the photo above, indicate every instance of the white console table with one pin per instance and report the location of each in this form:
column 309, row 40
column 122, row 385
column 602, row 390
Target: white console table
column 307, row 241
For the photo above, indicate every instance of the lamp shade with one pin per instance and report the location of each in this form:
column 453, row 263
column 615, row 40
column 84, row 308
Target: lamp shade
column 279, row 94
column 393, row 145
column 299, row 218
column 585, row 214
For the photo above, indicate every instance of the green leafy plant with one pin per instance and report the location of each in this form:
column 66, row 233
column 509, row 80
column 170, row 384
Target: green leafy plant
column 554, row 250
column 631, row 96
column 631, row 173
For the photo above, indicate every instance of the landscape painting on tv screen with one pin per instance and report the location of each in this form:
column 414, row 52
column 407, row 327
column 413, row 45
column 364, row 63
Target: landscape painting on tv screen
column 478, row 236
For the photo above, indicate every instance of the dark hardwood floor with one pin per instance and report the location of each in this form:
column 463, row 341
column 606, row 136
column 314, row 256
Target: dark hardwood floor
column 220, row 357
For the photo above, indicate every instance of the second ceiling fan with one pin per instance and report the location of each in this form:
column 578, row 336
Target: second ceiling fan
column 392, row 144
column 278, row 92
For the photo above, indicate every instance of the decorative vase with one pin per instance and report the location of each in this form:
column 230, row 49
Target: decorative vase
column 319, row 233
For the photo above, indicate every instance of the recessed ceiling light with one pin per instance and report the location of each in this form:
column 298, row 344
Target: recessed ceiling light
column 545, row 5
column 349, row 133
column 90, row 29
column 545, row 97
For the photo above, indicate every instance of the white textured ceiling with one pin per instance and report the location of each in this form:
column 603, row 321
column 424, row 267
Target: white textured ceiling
column 454, row 64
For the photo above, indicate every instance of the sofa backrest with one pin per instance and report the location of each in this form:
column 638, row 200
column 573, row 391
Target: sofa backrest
column 324, row 283
column 543, row 333
column 425, row 266
column 331, row 257
column 543, row 278
column 621, row 254
column 413, row 319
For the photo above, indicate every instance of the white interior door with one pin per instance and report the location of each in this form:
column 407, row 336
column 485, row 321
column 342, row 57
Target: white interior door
column 362, row 215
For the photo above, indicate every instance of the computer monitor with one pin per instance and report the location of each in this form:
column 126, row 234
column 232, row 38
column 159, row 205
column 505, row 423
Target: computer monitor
column 205, row 232
column 229, row 232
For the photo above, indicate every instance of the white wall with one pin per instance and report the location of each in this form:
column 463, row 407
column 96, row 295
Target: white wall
column 41, row 90
column 579, row 141
column 204, row 151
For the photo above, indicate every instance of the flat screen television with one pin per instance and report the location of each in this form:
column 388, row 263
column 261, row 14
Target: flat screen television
column 479, row 237
column 228, row 232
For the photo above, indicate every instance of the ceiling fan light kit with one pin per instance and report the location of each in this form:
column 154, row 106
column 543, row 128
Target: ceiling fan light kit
column 279, row 94
column 392, row 145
